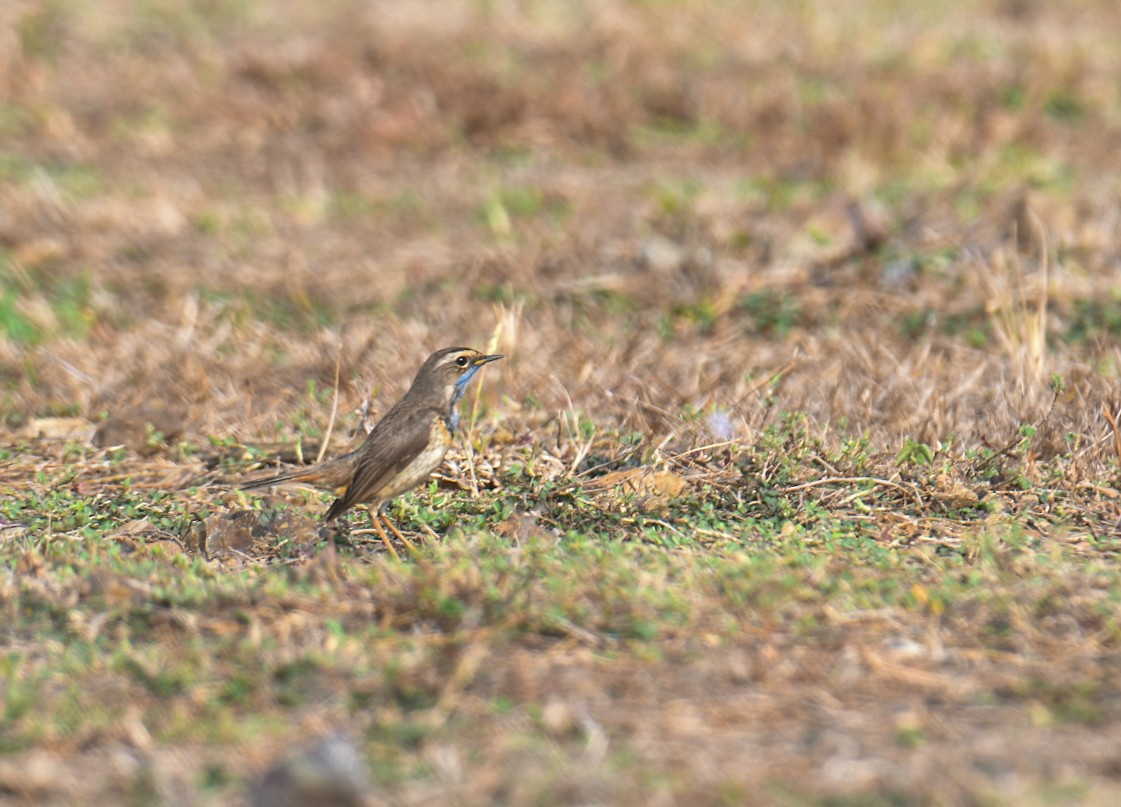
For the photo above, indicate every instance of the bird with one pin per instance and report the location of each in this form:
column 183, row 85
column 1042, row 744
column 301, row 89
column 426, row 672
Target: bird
column 403, row 448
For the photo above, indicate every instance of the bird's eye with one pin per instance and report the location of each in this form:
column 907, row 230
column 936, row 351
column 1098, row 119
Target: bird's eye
column 461, row 361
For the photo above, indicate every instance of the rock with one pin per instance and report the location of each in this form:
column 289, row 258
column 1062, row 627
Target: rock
column 329, row 773
column 663, row 255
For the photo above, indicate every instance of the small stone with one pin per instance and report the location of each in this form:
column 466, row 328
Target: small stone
column 556, row 718
column 899, row 275
column 663, row 255
column 329, row 773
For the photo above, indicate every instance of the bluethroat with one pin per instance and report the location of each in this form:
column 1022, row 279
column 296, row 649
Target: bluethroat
column 405, row 446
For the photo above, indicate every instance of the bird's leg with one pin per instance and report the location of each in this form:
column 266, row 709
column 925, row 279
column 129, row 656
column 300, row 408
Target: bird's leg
column 400, row 537
column 375, row 519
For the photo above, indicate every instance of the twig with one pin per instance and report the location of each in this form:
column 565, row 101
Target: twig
column 334, row 411
column 469, row 447
column 1113, row 425
column 1040, row 336
column 581, row 453
column 699, row 449
column 851, row 480
column 1015, row 441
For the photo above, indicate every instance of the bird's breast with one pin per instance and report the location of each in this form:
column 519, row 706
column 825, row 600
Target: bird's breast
column 422, row 466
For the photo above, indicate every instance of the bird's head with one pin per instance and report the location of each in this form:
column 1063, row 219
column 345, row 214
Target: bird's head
column 450, row 370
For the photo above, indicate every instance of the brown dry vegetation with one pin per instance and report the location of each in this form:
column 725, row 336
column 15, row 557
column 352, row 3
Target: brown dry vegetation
column 811, row 271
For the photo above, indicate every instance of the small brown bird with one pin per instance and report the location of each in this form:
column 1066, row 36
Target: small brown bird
column 405, row 446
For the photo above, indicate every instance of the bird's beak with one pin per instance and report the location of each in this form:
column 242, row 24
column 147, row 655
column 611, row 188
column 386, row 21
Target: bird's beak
column 479, row 362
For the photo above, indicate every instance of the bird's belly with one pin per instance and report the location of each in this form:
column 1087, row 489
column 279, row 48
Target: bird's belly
column 416, row 471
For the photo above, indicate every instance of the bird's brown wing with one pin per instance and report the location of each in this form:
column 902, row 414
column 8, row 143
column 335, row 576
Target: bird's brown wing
column 393, row 444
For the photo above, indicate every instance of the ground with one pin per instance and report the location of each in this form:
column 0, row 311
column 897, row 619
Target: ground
column 798, row 485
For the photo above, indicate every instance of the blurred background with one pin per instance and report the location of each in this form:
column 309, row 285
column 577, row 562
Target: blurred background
column 899, row 218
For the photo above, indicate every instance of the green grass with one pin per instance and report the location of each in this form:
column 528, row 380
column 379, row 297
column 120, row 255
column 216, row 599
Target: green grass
column 222, row 653
column 207, row 654
column 716, row 561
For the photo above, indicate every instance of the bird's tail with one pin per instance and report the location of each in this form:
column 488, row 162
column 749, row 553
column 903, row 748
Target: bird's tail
column 302, row 475
column 330, row 475
column 336, row 509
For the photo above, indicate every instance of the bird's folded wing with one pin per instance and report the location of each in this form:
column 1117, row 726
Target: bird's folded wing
column 389, row 449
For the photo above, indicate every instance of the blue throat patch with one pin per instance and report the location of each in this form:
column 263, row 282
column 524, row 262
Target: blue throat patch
column 460, row 388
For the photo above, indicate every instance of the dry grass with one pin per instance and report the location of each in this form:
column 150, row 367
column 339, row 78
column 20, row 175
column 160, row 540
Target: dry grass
column 823, row 295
